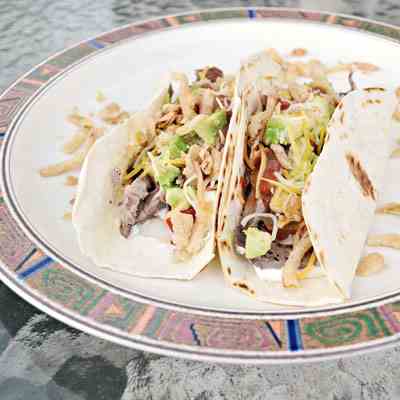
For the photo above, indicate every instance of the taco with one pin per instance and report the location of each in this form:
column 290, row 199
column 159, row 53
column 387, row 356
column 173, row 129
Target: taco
column 147, row 194
column 307, row 170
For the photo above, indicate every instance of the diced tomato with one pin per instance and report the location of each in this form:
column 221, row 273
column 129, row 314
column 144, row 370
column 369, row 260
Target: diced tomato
column 284, row 104
column 286, row 231
column 243, row 183
column 190, row 211
column 169, row 224
column 264, row 187
column 272, row 167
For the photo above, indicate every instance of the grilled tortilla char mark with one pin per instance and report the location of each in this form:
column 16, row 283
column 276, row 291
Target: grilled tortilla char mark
column 360, row 176
column 374, row 89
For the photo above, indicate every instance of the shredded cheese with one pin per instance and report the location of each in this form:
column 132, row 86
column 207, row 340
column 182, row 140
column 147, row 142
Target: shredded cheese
column 261, row 171
column 305, row 272
column 179, row 162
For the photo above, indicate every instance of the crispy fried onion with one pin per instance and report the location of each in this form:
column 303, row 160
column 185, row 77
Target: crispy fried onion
column 281, row 156
column 305, row 272
column 258, row 120
column 186, row 99
column 72, row 164
column 71, row 180
column 386, row 240
column 67, row 216
column 389, row 208
column 200, row 229
column 167, row 119
column 113, row 114
column 207, row 102
column 257, row 124
column 85, row 137
column 193, row 243
column 299, row 92
column 207, row 159
column 191, row 158
column 76, row 140
column 183, row 225
column 75, row 118
column 370, row 264
column 291, row 267
column 270, row 106
column 298, row 52
column 272, row 217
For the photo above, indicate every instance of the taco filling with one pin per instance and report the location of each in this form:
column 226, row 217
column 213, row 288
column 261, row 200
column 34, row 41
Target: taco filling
column 304, row 155
column 285, row 134
column 173, row 168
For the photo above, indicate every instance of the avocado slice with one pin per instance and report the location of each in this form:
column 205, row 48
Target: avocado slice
column 167, row 175
column 175, row 198
column 319, row 111
column 258, row 242
column 164, row 173
column 176, row 147
column 283, row 128
column 275, row 131
column 320, row 108
column 208, row 128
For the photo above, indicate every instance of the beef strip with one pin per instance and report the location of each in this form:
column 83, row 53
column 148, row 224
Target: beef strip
column 134, row 194
column 240, row 237
column 214, row 73
column 152, row 204
column 275, row 258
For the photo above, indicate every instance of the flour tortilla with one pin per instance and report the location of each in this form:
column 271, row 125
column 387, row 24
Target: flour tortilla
column 358, row 139
column 148, row 253
column 336, row 211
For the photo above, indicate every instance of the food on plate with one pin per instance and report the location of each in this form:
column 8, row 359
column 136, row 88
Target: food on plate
column 255, row 164
column 71, row 180
column 306, row 174
column 395, row 153
column 389, row 208
column 147, row 194
column 384, row 240
column 88, row 131
column 370, row 264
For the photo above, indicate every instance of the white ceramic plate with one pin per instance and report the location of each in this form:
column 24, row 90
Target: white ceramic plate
column 126, row 65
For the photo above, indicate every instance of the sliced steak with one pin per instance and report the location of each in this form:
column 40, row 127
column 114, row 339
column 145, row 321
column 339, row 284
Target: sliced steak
column 131, row 206
column 152, row 204
column 275, row 258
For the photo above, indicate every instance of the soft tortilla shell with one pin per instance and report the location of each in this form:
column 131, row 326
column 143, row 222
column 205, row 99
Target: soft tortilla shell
column 96, row 220
column 365, row 123
column 337, row 210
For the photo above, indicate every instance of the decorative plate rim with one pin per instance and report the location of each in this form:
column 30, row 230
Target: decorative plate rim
column 28, row 273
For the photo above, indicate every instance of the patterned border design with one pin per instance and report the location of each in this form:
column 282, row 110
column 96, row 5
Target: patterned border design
column 85, row 305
